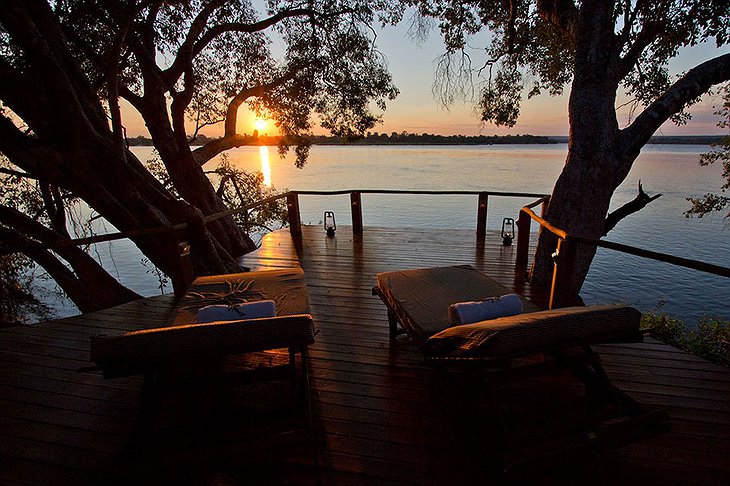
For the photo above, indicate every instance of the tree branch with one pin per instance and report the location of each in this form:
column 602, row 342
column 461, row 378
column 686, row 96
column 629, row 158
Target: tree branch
column 135, row 100
column 203, row 154
column 642, row 41
column 16, row 173
column 16, row 87
column 651, row 27
column 26, row 152
column 637, row 204
column 89, row 285
column 243, row 95
column 186, row 53
column 696, row 82
column 54, row 208
column 180, row 102
column 34, row 29
column 190, row 49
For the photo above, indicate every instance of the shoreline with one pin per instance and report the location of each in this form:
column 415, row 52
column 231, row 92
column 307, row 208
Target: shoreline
column 395, row 139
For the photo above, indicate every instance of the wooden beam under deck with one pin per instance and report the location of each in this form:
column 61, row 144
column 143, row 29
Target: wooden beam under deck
column 382, row 416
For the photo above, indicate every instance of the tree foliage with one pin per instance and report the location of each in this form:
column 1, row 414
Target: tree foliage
column 65, row 67
column 19, row 301
column 720, row 153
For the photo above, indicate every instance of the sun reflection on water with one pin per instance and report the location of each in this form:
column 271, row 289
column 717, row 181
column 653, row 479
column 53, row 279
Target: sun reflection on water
column 265, row 166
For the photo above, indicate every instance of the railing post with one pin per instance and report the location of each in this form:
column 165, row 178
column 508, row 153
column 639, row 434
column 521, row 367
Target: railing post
column 564, row 258
column 545, row 205
column 356, row 207
column 482, row 216
column 523, row 244
column 292, row 208
column 184, row 275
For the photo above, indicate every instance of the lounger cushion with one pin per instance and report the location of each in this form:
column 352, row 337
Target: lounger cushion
column 286, row 287
column 246, row 310
column 186, row 339
column 537, row 331
column 421, row 297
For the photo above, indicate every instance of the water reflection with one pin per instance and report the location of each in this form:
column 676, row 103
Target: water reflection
column 265, row 166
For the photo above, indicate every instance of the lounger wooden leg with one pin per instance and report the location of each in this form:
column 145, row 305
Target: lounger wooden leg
column 393, row 324
column 292, row 365
column 604, row 382
column 306, row 392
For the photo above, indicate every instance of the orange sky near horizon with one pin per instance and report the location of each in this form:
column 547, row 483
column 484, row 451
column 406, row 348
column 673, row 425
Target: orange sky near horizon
column 415, row 110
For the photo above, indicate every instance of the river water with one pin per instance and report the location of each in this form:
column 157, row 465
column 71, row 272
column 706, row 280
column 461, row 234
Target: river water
column 614, row 277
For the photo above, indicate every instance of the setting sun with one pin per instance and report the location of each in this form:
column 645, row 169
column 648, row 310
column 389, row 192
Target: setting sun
column 261, row 124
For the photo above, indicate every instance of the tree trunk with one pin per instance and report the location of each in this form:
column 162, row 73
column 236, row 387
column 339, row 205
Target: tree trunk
column 89, row 286
column 194, row 186
column 595, row 164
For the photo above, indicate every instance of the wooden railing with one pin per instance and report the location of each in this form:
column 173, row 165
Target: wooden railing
column 356, row 204
column 565, row 253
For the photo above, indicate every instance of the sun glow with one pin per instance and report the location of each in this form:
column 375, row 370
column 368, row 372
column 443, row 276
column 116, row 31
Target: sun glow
column 265, row 166
column 260, row 124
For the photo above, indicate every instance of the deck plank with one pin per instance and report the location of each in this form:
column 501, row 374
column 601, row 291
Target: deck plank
column 383, row 415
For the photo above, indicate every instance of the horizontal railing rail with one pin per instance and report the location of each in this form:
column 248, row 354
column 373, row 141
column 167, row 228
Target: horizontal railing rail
column 418, row 192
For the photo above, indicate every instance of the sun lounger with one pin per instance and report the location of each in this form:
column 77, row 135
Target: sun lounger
column 418, row 302
column 184, row 342
column 184, row 339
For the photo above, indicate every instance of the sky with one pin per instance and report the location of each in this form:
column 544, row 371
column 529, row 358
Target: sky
column 412, row 64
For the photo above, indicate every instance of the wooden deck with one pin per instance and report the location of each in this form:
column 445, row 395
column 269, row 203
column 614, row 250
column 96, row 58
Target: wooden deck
column 381, row 415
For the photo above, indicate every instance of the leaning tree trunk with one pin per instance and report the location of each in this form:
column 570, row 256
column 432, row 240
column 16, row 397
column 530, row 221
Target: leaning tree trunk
column 188, row 177
column 72, row 146
column 86, row 283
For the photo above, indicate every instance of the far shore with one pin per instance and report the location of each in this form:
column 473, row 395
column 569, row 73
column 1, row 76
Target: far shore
column 405, row 138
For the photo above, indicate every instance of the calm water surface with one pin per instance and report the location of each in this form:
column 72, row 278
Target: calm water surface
column 669, row 169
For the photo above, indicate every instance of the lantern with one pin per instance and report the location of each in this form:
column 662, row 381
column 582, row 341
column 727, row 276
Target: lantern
column 508, row 231
column 329, row 223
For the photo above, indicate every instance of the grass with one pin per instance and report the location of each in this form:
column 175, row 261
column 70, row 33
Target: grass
column 710, row 339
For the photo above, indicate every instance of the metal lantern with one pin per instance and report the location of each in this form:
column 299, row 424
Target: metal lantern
column 329, row 223
column 508, row 231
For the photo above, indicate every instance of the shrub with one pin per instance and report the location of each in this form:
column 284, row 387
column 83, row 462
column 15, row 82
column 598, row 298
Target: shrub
column 710, row 339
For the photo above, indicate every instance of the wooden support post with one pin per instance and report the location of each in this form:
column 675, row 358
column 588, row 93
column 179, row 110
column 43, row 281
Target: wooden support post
column 564, row 257
column 356, row 207
column 482, row 216
column 184, row 275
column 292, row 208
column 523, row 245
column 544, row 208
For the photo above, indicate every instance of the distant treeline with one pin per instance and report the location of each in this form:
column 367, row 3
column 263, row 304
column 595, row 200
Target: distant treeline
column 405, row 138
column 395, row 138
column 672, row 140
